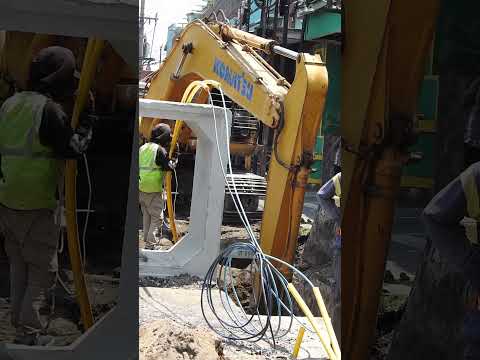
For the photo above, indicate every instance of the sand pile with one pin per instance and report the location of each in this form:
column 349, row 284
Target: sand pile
column 170, row 341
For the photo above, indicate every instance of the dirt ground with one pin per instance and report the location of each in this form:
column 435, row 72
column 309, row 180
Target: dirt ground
column 169, row 331
column 173, row 339
column 229, row 234
column 65, row 324
column 169, row 340
column 392, row 305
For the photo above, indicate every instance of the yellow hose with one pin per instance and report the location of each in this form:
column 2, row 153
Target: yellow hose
column 298, row 342
column 188, row 97
column 92, row 54
column 327, row 320
column 311, row 319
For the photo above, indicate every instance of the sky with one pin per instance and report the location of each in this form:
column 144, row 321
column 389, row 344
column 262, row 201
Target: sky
column 168, row 12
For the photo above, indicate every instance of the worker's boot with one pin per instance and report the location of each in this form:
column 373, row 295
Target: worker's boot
column 45, row 340
column 34, row 340
column 166, row 228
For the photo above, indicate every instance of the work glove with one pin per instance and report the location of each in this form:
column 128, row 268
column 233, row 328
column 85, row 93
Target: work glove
column 82, row 136
column 173, row 163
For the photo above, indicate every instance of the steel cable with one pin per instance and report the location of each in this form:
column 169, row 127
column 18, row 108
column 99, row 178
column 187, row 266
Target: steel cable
column 269, row 285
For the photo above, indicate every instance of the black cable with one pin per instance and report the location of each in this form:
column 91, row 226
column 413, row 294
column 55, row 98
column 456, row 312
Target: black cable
column 271, row 285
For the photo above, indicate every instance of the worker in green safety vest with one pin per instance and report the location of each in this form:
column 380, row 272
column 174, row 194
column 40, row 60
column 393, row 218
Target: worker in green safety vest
column 153, row 162
column 443, row 220
column 35, row 138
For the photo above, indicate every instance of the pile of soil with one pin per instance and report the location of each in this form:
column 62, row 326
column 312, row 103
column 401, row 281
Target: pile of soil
column 181, row 281
column 170, row 341
column 235, row 233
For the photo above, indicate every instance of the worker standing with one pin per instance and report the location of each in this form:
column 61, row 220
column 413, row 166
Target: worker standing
column 153, row 162
column 442, row 217
column 35, row 138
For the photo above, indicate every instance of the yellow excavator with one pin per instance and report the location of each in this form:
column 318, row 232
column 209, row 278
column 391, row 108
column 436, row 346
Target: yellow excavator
column 220, row 54
column 385, row 47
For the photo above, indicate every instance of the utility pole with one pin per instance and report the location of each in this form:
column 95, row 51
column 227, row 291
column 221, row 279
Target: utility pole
column 153, row 38
column 141, row 33
column 264, row 16
column 286, row 11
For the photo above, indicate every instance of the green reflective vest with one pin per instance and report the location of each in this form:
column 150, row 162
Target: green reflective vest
column 151, row 175
column 31, row 173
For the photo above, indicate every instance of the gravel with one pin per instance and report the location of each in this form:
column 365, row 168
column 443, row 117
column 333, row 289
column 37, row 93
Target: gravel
column 184, row 281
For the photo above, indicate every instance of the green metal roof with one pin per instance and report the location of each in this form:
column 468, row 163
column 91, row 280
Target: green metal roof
column 321, row 24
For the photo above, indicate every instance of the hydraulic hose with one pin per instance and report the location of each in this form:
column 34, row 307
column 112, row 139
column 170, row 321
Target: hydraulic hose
column 188, row 97
column 92, row 54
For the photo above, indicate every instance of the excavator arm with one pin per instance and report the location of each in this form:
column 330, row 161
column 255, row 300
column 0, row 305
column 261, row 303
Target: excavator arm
column 230, row 57
column 385, row 49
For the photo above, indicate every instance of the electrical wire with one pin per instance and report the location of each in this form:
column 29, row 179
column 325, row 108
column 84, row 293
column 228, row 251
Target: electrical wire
column 57, row 275
column 89, row 205
column 272, row 284
column 61, row 242
column 176, row 190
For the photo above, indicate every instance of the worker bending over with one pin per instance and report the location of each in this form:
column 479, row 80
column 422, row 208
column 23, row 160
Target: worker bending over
column 330, row 195
column 442, row 218
column 35, row 137
column 320, row 260
column 153, row 162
